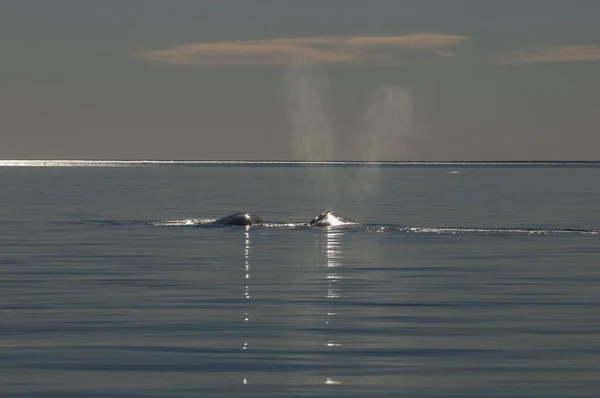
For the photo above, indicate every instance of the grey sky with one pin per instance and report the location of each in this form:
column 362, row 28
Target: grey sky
column 337, row 79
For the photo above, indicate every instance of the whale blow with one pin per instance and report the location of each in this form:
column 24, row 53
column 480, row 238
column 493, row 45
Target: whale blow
column 240, row 219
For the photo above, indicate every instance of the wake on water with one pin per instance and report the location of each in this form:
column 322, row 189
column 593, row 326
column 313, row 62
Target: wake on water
column 388, row 228
column 351, row 226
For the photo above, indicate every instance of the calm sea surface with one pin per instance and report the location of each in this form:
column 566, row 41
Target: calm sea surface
column 461, row 281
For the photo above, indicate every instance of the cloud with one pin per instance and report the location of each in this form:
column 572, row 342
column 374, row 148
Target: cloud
column 325, row 49
column 552, row 54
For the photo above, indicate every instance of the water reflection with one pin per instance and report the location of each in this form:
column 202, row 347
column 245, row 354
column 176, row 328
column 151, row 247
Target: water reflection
column 247, row 245
column 333, row 261
column 286, row 325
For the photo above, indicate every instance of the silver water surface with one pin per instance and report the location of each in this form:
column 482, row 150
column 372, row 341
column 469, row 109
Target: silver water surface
column 101, row 297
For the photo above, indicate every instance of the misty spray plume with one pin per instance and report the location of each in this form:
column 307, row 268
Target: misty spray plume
column 307, row 92
column 387, row 124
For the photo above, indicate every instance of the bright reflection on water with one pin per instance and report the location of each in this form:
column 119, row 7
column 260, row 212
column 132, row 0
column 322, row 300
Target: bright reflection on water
column 333, row 262
column 247, row 278
column 328, row 263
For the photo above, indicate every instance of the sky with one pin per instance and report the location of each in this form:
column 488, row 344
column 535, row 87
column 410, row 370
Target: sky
column 300, row 80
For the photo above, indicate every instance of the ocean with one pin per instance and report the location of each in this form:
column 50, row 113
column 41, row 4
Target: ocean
column 459, row 280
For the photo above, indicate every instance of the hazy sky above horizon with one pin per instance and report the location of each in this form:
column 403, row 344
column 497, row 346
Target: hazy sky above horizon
column 281, row 79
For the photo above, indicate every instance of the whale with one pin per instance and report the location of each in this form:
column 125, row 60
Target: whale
column 243, row 219
column 324, row 219
column 329, row 219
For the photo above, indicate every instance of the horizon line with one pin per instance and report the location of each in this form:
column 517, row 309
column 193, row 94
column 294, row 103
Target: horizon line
column 149, row 162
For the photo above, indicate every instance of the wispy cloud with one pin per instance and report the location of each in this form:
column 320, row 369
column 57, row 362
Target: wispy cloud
column 552, row 54
column 324, row 49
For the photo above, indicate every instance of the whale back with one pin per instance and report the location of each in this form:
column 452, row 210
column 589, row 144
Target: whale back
column 329, row 219
column 240, row 219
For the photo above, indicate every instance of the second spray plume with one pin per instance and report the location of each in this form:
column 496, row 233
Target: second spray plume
column 388, row 123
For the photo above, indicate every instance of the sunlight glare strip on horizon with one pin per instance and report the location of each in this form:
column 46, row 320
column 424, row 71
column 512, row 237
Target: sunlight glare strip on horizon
column 151, row 163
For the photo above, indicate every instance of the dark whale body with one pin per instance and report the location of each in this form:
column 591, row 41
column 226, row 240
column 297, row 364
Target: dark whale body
column 240, row 219
column 325, row 219
column 329, row 219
